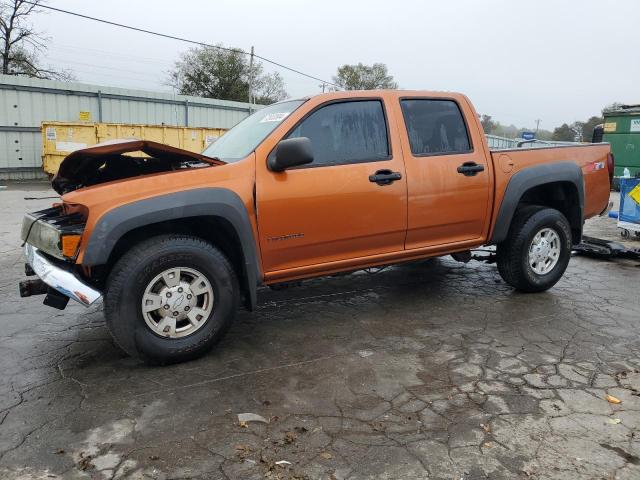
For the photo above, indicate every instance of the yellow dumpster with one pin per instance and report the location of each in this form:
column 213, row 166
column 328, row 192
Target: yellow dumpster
column 59, row 139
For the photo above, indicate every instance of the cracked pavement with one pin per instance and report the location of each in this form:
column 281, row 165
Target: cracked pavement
column 435, row 369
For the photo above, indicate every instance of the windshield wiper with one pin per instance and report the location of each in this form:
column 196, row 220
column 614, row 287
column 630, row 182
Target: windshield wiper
column 212, row 160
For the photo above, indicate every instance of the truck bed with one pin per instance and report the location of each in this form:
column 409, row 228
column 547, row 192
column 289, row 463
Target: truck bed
column 591, row 158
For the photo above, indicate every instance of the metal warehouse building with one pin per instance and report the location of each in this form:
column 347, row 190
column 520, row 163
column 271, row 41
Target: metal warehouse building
column 25, row 103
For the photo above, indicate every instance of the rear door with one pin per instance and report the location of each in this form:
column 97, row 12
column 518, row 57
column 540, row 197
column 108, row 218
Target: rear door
column 334, row 208
column 448, row 177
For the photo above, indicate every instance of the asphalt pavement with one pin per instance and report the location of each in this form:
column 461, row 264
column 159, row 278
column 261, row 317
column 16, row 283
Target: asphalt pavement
column 435, row 369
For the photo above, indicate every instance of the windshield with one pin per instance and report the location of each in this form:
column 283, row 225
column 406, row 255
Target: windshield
column 242, row 139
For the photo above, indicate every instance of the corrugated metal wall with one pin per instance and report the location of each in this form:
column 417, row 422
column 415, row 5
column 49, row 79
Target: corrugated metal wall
column 25, row 103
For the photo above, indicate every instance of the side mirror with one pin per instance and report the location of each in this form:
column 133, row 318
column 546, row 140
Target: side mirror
column 291, row 153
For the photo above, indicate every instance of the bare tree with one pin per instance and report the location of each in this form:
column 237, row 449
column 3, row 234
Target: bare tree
column 268, row 87
column 21, row 43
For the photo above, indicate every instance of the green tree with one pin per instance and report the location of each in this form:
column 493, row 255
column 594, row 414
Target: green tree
column 224, row 74
column 589, row 126
column 488, row 125
column 364, row 77
column 564, row 133
column 543, row 134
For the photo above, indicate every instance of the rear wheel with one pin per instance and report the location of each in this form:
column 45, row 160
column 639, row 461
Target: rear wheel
column 537, row 250
column 170, row 298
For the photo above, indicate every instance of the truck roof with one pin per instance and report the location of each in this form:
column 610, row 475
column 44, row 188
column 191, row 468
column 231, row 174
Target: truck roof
column 383, row 92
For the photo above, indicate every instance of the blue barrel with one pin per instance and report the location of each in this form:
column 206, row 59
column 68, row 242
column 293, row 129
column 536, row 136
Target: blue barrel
column 629, row 208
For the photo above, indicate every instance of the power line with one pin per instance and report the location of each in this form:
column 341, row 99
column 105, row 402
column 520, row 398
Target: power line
column 173, row 37
column 103, row 67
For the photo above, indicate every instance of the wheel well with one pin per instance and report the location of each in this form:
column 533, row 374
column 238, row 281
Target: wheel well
column 216, row 230
column 562, row 196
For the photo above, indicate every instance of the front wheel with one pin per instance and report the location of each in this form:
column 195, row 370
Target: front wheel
column 537, row 250
column 170, row 298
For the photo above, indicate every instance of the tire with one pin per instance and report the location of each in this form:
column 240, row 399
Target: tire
column 187, row 259
column 513, row 257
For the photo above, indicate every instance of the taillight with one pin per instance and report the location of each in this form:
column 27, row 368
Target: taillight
column 611, row 163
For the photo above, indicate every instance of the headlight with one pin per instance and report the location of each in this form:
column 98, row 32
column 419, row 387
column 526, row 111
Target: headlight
column 45, row 237
column 53, row 233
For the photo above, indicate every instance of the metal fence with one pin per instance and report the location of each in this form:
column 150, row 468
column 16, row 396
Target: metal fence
column 25, row 103
column 497, row 143
column 501, row 143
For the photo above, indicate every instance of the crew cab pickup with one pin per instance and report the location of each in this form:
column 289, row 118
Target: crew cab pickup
column 175, row 241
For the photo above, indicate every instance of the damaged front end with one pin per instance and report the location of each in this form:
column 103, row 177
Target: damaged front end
column 108, row 161
column 52, row 237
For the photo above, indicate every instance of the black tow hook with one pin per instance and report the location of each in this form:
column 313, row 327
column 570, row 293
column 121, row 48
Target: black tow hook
column 56, row 299
column 29, row 288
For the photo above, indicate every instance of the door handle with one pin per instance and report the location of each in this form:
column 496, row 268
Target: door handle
column 469, row 169
column 385, row 177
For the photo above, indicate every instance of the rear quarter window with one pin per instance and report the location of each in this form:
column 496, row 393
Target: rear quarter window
column 435, row 127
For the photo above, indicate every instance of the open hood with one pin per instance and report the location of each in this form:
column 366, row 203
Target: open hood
column 108, row 161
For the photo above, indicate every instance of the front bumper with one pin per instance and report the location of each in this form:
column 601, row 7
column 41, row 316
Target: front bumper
column 59, row 278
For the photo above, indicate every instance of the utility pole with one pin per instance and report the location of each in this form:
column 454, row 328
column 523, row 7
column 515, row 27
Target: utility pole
column 251, row 79
column 323, row 85
column 537, row 125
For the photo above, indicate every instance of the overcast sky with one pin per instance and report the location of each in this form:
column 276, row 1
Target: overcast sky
column 518, row 61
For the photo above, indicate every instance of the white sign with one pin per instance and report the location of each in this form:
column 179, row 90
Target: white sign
column 635, row 125
column 69, row 146
column 275, row 117
column 51, row 133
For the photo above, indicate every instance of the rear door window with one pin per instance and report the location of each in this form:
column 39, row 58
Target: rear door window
column 435, row 127
column 346, row 132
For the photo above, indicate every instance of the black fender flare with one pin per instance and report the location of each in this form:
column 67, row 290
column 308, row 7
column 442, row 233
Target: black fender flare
column 219, row 202
column 528, row 178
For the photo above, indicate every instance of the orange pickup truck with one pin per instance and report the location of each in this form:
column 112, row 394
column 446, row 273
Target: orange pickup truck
column 174, row 241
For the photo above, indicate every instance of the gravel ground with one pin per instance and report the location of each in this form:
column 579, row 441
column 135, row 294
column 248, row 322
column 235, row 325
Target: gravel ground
column 431, row 370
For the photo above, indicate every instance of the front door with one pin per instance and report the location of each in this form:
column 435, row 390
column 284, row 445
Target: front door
column 349, row 202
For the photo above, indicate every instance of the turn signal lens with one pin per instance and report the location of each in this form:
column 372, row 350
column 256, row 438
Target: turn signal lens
column 70, row 245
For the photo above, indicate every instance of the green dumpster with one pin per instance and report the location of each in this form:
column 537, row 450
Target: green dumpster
column 622, row 131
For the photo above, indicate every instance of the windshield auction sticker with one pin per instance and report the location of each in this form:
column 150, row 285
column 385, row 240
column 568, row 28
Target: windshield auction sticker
column 275, row 117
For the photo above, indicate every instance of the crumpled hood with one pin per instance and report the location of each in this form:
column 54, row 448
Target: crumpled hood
column 107, row 161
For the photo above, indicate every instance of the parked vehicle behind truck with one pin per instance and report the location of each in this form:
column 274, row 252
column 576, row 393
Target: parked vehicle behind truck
column 300, row 189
